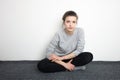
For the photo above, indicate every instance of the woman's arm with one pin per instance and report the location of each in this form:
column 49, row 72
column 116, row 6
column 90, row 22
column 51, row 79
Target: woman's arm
column 69, row 66
column 54, row 57
column 52, row 45
column 69, row 56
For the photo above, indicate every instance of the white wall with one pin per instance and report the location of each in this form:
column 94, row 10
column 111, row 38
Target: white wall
column 27, row 26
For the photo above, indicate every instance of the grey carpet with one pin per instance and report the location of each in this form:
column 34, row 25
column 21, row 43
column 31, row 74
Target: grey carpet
column 27, row 70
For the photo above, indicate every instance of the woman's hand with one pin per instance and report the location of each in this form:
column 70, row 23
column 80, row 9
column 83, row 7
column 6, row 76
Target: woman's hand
column 69, row 66
column 54, row 57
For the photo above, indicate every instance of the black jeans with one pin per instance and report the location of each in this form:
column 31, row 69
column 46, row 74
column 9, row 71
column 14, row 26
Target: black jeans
column 47, row 66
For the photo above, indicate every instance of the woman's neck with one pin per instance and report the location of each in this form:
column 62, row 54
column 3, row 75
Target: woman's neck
column 69, row 32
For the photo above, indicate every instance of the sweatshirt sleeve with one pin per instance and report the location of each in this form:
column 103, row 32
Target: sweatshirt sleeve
column 80, row 42
column 52, row 45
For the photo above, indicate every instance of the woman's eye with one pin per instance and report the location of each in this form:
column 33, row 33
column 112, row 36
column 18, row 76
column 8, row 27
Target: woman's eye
column 67, row 21
column 74, row 21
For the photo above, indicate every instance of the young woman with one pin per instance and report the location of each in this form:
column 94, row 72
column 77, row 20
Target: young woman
column 65, row 51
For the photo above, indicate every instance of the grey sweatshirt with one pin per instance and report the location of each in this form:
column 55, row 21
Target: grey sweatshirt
column 63, row 44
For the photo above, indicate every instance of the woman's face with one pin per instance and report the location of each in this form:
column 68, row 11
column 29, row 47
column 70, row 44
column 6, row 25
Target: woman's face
column 70, row 23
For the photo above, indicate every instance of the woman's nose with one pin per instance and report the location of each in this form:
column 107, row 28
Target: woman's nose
column 70, row 23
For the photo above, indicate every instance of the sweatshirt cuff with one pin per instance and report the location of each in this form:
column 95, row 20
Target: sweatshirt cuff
column 48, row 55
column 76, row 53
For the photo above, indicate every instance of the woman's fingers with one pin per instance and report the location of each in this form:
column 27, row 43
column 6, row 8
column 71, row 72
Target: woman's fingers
column 54, row 57
column 70, row 66
column 54, row 60
column 70, row 61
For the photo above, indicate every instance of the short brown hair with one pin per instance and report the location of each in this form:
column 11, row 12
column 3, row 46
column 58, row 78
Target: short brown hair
column 69, row 13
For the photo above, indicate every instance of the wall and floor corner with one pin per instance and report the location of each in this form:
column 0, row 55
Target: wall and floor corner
column 27, row 26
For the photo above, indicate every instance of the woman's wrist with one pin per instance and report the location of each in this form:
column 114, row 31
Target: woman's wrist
column 63, row 58
column 61, row 63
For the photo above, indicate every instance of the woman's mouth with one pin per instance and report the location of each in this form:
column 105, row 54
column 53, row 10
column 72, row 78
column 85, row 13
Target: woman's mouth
column 70, row 28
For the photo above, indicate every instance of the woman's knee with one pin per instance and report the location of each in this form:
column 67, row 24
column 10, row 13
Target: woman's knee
column 89, row 56
column 47, row 66
column 42, row 66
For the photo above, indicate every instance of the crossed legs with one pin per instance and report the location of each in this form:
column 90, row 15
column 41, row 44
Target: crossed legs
column 47, row 66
